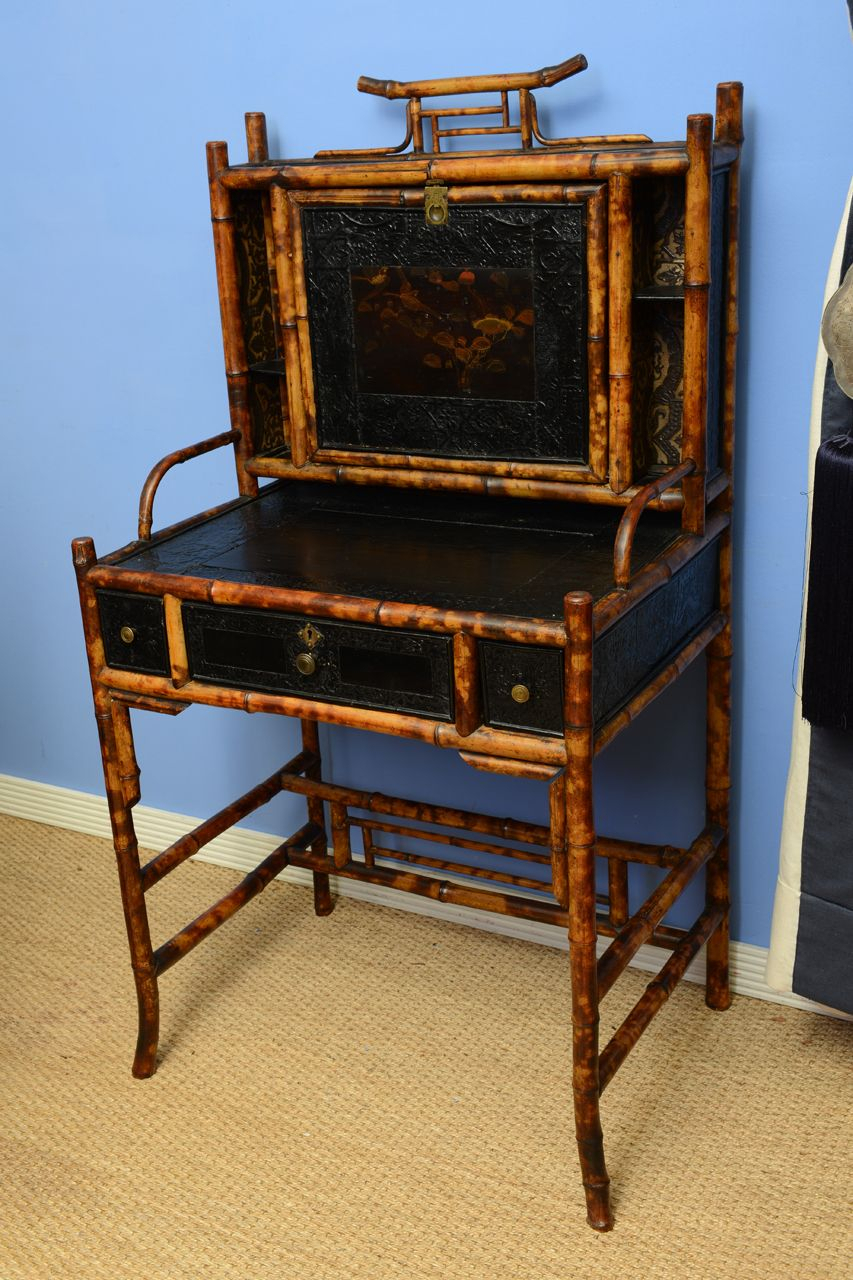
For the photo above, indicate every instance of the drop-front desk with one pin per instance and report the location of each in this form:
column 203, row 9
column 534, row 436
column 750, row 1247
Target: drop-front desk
column 490, row 396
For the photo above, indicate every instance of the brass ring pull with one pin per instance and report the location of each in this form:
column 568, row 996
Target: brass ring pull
column 520, row 693
column 128, row 635
column 305, row 664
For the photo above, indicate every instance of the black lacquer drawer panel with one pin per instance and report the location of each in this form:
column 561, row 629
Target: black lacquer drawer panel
column 334, row 661
column 523, row 686
column 134, row 632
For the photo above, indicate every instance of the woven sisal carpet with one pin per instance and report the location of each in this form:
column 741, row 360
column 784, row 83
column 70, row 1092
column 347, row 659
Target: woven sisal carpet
column 380, row 1095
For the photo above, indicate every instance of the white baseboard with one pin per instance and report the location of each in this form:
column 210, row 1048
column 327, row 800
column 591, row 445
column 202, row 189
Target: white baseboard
column 242, row 850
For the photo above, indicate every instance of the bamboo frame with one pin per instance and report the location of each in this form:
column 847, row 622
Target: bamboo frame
column 564, row 850
column 174, row 459
column 621, row 278
column 234, row 346
column 308, row 459
column 697, row 284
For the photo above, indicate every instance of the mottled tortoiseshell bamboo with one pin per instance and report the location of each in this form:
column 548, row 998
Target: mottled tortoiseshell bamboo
column 186, row 939
column 580, row 834
column 323, row 904
column 621, row 278
column 641, row 926
column 604, row 173
column 234, row 345
column 697, row 283
column 157, row 472
column 658, row 990
column 729, row 129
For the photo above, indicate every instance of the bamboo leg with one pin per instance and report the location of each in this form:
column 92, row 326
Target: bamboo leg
column 717, row 788
column 121, row 776
column 111, row 728
column 582, row 915
column 323, row 901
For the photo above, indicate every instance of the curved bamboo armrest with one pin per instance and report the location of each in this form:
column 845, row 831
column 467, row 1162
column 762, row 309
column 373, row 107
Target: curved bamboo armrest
column 155, row 475
column 542, row 79
column 624, row 543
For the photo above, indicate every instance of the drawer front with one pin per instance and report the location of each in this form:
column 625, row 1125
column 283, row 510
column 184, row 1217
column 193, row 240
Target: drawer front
column 522, row 686
column 134, row 632
column 312, row 658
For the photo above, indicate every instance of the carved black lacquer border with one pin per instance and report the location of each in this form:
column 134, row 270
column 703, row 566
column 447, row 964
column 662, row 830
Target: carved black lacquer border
column 547, row 240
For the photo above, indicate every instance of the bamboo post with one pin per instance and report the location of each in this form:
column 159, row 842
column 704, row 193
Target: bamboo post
column 697, row 283
column 729, row 128
column 580, row 828
column 113, row 727
column 257, row 146
column 177, row 644
column 341, row 847
column 617, row 891
column 596, row 334
column 718, row 785
column 285, row 270
column 621, row 278
column 126, row 754
column 559, row 860
column 466, row 685
column 227, row 278
column 323, row 902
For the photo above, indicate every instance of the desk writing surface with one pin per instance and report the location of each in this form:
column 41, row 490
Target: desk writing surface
column 505, row 555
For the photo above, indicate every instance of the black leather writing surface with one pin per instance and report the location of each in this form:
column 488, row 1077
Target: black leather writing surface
column 505, row 555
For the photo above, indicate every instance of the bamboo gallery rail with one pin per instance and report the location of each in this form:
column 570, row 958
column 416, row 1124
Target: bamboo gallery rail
column 516, row 690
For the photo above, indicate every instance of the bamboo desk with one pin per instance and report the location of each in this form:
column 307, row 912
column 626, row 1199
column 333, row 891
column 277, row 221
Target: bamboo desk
column 507, row 552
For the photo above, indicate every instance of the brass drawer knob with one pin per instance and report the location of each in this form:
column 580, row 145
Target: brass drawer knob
column 128, row 635
column 520, row 693
column 305, row 664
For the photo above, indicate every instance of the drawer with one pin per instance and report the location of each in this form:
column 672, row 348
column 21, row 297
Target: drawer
column 134, row 632
column 312, row 658
column 522, row 686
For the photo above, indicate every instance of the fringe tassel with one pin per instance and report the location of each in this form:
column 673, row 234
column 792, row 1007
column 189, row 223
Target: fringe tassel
column 828, row 658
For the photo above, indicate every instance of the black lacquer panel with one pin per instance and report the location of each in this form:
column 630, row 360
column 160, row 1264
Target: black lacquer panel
column 625, row 658
column 505, row 284
column 630, row 653
column 359, row 665
column 141, row 618
column 539, row 670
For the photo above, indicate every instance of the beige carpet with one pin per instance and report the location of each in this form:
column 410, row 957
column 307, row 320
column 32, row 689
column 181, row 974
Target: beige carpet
column 380, row 1095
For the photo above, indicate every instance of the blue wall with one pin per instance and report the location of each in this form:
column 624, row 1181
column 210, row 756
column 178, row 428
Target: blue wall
column 112, row 355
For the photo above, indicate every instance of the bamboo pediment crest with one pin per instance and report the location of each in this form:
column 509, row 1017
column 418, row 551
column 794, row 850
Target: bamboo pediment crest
column 427, row 126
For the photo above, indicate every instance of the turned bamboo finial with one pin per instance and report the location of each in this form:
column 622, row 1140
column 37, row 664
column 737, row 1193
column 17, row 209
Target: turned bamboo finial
column 83, row 552
column 256, row 137
column 217, row 158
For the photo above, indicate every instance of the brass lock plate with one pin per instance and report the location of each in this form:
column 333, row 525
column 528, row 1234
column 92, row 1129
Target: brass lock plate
column 435, row 204
column 309, row 635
